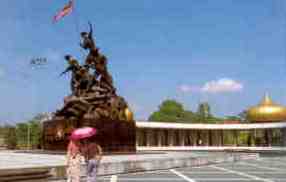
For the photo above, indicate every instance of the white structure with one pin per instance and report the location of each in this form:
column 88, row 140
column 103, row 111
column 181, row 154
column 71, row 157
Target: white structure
column 267, row 129
column 179, row 134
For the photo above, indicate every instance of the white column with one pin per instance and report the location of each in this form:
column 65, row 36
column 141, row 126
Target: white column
column 171, row 137
column 195, row 137
column 215, row 138
column 221, row 138
column 205, row 138
column 211, row 137
column 254, row 138
column 164, row 138
column 188, row 137
column 182, row 137
column 138, row 132
column 159, row 137
column 235, row 132
column 148, row 137
column 144, row 137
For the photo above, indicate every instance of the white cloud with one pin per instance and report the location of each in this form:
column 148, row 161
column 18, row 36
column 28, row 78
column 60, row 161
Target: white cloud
column 222, row 85
column 188, row 88
column 214, row 86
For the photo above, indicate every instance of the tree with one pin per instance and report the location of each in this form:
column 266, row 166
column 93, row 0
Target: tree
column 169, row 110
column 171, row 107
column 204, row 110
column 173, row 111
column 243, row 116
column 10, row 137
column 189, row 116
column 35, row 133
column 232, row 118
column 204, row 114
column 29, row 134
column 22, row 134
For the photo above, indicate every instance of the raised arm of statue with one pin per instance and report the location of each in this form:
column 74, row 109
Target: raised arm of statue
column 90, row 31
column 67, row 70
column 87, row 39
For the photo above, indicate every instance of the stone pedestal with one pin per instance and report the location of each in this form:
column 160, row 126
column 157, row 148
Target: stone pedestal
column 113, row 136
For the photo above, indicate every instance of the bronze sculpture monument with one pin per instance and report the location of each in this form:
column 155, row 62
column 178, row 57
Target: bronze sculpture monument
column 93, row 102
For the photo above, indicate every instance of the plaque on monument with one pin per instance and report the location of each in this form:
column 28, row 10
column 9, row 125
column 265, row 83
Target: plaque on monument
column 93, row 102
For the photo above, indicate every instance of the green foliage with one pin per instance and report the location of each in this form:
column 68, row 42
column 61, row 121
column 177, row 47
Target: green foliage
column 228, row 138
column 10, row 137
column 159, row 116
column 243, row 137
column 204, row 115
column 169, row 110
column 36, row 133
column 29, row 134
column 2, row 131
column 204, row 110
column 171, row 107
column 189, row 116
column 173, row 111
column 22, row 134
column 233, row 118
column 243, row 116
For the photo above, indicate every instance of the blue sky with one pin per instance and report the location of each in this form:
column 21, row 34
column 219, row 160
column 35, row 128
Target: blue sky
column 226, row 52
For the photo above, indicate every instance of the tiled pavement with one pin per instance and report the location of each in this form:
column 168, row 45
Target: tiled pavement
column 267, row 169
column 16, row 159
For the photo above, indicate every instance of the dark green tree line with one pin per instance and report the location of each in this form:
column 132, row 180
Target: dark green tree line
column 173, row 111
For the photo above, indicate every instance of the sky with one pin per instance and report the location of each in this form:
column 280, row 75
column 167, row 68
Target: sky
column 228, row 53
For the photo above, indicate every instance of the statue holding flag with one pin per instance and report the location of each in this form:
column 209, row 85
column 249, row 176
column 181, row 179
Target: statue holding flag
column 93, row 101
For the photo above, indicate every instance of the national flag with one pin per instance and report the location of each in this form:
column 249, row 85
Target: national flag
column 65, row 11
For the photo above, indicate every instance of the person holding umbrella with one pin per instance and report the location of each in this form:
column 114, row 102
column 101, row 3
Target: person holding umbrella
column 74, row 159
column 91, row 151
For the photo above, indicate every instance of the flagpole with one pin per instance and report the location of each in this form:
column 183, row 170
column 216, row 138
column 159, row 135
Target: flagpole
column 75, row 16
column 76, row 22
column 69, row 9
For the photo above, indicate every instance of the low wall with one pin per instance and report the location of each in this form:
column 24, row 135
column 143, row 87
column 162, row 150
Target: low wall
column 130, row 166
column 161, row 164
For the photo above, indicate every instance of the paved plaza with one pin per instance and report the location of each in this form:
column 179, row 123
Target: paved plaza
column 29, row 159
column 21, row 159
column 265, row 169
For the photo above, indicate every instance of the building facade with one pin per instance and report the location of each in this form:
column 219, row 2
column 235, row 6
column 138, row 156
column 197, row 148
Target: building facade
column 266, row 127
column 151, row 134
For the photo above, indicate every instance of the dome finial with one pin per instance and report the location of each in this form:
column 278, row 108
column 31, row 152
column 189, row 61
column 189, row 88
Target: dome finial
column 266, row 100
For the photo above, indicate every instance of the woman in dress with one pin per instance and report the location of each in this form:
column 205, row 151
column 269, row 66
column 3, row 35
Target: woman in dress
column 73, row 162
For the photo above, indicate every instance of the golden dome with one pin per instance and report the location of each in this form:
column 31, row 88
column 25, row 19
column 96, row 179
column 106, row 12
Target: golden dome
column 266, row 111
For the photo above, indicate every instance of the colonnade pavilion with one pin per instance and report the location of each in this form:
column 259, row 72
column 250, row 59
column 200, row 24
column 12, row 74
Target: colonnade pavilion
column 265, row 127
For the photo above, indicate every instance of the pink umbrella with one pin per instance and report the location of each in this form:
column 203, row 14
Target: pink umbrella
column 82, row 133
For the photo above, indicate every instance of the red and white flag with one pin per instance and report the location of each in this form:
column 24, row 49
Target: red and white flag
column 65, row 11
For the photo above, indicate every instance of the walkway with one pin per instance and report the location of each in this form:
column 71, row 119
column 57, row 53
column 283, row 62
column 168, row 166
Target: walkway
column 268, row 169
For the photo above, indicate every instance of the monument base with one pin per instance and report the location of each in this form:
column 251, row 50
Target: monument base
column 112, row 136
